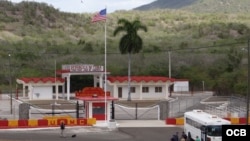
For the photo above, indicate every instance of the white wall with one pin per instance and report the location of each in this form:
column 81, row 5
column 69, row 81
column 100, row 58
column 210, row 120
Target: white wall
column 42, row 92
column 181, row 86
column 150, row 95
column 125, row 92
column 133, row 95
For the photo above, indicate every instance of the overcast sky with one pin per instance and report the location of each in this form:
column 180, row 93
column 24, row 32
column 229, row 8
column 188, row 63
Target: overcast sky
column 92, row 6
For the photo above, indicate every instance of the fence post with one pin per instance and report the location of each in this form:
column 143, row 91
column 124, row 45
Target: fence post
column 112, row 110
column 77, row 109
column 136, row 110
column 53, row 109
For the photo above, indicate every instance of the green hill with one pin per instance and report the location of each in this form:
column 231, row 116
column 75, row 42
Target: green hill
column 166, row 4
column 210, row 6
column 37, row 35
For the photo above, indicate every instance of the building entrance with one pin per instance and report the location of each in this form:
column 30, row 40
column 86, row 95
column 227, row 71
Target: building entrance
column 67, row 71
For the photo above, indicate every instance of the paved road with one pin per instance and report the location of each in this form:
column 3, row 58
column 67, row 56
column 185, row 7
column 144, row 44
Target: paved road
column 93, row 134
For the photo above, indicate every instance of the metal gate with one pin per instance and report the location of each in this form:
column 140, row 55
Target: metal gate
column 137, row 113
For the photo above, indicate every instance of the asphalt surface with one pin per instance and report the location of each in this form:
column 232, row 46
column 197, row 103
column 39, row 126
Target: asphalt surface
column 93, row 134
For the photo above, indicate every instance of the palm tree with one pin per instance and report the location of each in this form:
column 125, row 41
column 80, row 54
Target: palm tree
column 131, row 42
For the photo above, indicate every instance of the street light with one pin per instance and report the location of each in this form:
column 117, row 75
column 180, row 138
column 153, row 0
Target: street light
column 10, row 84
column 169, row 71
column 248, row 82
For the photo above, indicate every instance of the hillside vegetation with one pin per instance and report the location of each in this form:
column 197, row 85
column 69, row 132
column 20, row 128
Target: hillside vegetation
column 201, row 6
column 34, row 37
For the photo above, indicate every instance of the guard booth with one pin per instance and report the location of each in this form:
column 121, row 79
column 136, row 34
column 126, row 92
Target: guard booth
column 97, row 103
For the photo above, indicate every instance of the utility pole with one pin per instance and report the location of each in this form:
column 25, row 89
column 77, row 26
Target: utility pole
column 169, row 71
column 169, row 64
column 248, row 83
column 10, row 77
column 203, row 86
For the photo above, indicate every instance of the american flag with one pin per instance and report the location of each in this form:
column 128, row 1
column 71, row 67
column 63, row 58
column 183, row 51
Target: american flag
column 100, row 16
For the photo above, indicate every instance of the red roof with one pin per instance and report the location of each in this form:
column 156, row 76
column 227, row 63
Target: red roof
column 121, row 79
column 98, row 98
column 62, row 71
column 41, row 79
column 181, row 79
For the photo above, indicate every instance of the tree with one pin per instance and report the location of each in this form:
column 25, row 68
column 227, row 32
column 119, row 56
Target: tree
column 130, row 42
column 234, row 60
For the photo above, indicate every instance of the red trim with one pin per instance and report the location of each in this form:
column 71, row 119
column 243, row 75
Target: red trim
column 170, row 121
column 62, row 71
column 99, row 116
column 137, row 79
column 178, row 80
column 53, row 122
column 99, row 98
column 42, row 79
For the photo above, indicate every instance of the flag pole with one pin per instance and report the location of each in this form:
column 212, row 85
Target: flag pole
column 105, row 64
column 100, row 17
column 55, row 82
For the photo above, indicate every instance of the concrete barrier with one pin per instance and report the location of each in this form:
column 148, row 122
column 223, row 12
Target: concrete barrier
column 12, row 123
column 170, row 121
column 23, row 123
column 180, row 121
column 91, row 121
column 32, row 123
column 234, row 120
column 50, row 122
column 242, row 120
column 4, row 123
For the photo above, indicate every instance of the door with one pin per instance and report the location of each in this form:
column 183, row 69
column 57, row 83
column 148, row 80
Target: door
column 203, row 133
column 119, row 92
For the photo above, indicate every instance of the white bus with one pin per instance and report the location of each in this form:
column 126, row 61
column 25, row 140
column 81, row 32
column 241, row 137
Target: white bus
column 204, row 125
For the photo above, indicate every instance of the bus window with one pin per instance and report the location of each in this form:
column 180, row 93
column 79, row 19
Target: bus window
column 214, row 130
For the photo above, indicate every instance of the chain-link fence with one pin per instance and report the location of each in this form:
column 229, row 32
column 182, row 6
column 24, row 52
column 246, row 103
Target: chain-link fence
column 14, row 108
column 179, row 105
column 232, row 106
column 8, row 107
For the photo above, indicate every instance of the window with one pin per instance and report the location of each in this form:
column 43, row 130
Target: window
column 145, row 89
column 132, row 89
column 214, row 130
column 193, row 123
column 158, row 89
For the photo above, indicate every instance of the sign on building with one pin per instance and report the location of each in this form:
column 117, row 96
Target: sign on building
column 82, row 68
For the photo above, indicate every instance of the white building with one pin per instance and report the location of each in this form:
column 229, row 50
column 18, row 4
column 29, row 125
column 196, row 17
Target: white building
column 181, row 85
column 40, row 88
column 141, row 87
